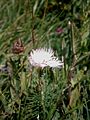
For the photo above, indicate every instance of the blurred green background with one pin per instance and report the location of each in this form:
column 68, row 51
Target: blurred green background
column 27, row 93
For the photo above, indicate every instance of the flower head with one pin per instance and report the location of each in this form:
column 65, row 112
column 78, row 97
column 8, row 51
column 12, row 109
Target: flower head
column 43, row 58
column 59, row 30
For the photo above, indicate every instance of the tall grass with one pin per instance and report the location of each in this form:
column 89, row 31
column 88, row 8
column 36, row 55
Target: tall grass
column 27, row 93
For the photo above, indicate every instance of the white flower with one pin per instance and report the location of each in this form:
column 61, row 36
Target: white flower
column 44, row 57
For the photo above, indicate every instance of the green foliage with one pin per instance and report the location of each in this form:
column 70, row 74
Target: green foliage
column 28, row 93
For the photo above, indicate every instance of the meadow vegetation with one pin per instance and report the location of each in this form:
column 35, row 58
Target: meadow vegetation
column 31, row 93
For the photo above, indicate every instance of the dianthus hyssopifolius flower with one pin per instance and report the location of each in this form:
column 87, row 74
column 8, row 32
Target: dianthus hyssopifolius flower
column 43, row 58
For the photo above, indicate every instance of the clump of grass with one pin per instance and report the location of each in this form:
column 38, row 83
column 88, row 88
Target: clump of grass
column 28, row 93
